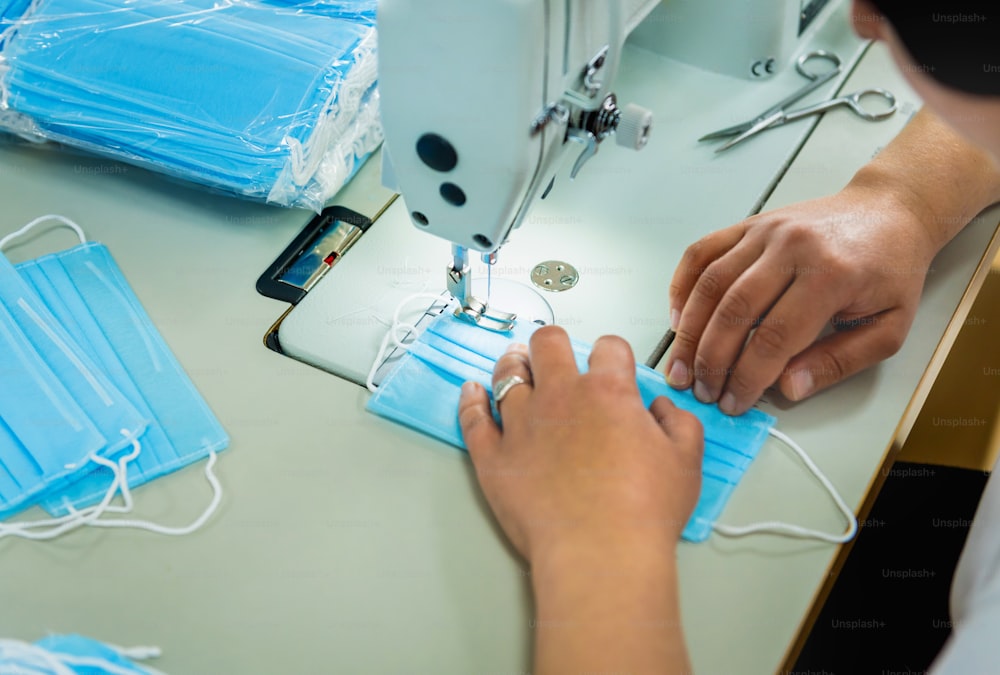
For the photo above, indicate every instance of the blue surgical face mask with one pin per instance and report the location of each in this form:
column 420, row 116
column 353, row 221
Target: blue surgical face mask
column 86, row 291
column 88, row 299
column 423, row 389
column 269, row 102
column 57, row 408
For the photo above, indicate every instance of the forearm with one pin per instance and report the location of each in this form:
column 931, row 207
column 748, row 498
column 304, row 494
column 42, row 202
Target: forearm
column 934, row 173
column 613, row 612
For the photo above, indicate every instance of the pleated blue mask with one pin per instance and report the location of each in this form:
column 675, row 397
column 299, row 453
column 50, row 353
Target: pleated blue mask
column 422, row 391
column 86, row 291
column 58, row 410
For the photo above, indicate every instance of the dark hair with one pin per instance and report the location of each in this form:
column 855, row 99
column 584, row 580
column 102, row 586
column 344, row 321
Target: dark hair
column 957, row 43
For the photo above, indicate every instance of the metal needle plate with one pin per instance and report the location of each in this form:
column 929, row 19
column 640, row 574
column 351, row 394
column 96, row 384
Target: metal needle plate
column 554, row 275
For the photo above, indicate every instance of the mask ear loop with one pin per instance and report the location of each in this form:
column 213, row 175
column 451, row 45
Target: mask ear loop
column 213, row 505
column 74, row 518
column 91, row 516
column 393, row 335
column 777, row 527
column 42, row 219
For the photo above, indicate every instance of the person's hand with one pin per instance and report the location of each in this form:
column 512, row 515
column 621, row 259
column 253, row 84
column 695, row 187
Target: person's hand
column 857, row 259
column 580, row 462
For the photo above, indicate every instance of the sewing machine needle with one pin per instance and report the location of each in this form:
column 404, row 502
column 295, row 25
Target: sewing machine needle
column 490, row 259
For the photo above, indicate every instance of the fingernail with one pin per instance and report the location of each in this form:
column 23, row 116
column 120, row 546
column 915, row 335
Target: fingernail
column 675, row 319
column 468, row 388
column 802, row 384
column 728, row 404
column 678, row 374
column 701, row 392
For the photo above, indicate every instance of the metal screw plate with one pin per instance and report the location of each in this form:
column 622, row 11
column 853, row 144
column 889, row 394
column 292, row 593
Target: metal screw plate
column 555, row 276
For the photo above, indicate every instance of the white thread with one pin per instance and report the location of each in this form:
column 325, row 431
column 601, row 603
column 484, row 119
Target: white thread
column 41, row 219
column 777, row 527
column 391, row 334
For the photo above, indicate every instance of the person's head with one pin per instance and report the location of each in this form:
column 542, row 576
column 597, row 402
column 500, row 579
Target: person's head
column 950, row 54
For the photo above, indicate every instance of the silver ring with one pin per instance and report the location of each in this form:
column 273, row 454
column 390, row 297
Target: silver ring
column 503, row 387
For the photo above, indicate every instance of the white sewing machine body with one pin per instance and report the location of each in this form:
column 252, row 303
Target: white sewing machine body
column 478, row 100
column 480, row 76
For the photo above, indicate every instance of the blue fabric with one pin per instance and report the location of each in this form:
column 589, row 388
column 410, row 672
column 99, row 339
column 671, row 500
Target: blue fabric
column 56, row 405
column 80, row 655
column 423, row 390
column 229, row 95
column 86, row 291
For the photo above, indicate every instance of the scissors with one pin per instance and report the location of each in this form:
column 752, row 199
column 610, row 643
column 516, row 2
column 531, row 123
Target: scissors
column 776, row 115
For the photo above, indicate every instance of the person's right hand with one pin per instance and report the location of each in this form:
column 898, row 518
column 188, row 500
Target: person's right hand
column 751, row 299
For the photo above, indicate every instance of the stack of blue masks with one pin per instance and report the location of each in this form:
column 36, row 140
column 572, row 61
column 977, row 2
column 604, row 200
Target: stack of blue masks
column 423, row 389
column 86, row 374
column 272, row 101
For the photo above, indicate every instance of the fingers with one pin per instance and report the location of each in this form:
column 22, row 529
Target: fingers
column 696, row 259
column 612, row 353
column 789, row 328
column 845, row 353
column 514, row 362
column 725, row 333
column 551, row 357
column 479, row 430
column 680, row 426
column 723, row 294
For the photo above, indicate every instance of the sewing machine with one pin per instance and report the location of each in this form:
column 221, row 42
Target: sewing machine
column 480, row 103
column 490, row 109
column 472, row 158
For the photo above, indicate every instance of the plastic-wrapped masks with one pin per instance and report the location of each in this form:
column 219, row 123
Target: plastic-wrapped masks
column 272, row 101
column 423, row 389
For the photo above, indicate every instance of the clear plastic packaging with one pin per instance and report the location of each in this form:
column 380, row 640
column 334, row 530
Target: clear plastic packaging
column 270, row 100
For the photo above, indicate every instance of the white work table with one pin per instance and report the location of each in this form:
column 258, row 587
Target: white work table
column 347, row 544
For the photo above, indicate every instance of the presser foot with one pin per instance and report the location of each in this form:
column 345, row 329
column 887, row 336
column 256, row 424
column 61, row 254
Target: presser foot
column 475, row 311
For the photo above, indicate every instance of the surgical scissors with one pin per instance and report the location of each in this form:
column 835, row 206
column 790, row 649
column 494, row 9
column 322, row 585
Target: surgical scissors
column 815, row 80
column 852, row 101
column 776, row 115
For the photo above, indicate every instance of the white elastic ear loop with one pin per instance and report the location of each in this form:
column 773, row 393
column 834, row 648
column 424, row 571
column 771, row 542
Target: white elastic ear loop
column 777, row 527
column 393, row 335
column 74, row 518
column 174, row 531
column 42, row 219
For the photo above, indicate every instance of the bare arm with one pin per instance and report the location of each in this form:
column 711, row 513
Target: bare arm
column 615, row 612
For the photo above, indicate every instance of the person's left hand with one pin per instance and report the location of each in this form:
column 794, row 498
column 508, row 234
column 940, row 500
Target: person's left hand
column 580, row 463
